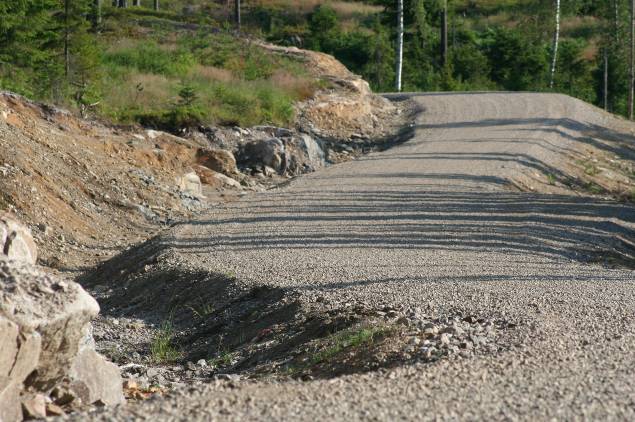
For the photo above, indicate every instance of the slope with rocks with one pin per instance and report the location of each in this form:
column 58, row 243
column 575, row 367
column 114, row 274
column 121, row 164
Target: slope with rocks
column 88, row 189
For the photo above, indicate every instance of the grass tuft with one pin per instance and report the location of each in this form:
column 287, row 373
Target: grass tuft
column 162, row 348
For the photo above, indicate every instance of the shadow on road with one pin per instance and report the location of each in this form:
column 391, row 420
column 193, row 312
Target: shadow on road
column 578, row 228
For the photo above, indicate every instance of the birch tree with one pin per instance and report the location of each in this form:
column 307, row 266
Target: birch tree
column 155, row 5
column 556, row 39
column 631, row 77
column 399, row 55
column 237, row 14
column 444, row 34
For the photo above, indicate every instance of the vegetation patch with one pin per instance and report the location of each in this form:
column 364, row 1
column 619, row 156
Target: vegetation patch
column 163, row 348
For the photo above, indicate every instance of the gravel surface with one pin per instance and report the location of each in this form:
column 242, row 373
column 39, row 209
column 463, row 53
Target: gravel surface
column 435, row 223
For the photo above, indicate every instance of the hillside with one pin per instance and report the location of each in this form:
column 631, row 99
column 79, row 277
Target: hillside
column 89, row 189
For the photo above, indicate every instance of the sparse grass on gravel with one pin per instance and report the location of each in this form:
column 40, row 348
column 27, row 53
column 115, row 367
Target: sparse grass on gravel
column 346, row 340
column 162, row 348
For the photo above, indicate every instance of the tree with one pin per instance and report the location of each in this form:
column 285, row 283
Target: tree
column 556, row 37
column 444, row 34
column 155, row 4
column 237, row 14
column 631, row 89
column 399, row 58
column 96, row 14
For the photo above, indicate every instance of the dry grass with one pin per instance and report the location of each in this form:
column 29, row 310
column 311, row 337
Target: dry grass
column 345, row 9
column 212, row 73
column 302, row 87
column 142, row 91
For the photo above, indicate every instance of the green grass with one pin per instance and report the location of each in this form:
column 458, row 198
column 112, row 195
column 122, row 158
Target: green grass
column 223, row 359
column 235, row 83
column 346, row 340
column 551, row 179
column 162, row 348
column 203, row 310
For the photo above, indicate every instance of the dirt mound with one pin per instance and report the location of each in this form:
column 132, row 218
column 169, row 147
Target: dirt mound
column 164, row 313
column 84, row 188
column 346, row 108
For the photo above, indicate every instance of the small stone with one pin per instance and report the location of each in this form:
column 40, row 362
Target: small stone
column 470, row 319
column 130, row 384
column 152, row 372
column 53, row 410
column 34, row 407
column 415, row 341
column 202, row 363
column 467, row 345
column 445, row 338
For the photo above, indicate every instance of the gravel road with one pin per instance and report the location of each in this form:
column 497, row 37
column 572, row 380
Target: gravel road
column 435, row 222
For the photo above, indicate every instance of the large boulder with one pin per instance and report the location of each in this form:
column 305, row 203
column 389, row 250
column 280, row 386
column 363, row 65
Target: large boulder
column 219, row 160
column 190, row 184
column 41, row 305
column 267, row 152
column 304, row 154
column 44, row 327
column 16, row 241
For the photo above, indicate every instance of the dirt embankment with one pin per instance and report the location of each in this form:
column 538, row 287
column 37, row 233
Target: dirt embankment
column 88, row 190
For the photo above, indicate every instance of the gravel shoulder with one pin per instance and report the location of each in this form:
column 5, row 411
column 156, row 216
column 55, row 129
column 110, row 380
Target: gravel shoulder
column 450, row 225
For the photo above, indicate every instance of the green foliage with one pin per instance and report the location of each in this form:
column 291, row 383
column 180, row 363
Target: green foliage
column 149, row 57
column 346, row 340
column 494, row 44
column 516, row 63
column 162, row 348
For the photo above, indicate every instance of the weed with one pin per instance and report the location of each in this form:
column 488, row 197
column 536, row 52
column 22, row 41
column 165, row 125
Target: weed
column 162, row 348
column 594, row 188
column 224, row 359
column 346, row 339
column 551, row 179
column 591, row 169
column 201, row 311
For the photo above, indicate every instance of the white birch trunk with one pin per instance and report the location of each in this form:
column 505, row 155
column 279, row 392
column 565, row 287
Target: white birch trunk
column 399, row 58
column 631, row 88
column 556, row 39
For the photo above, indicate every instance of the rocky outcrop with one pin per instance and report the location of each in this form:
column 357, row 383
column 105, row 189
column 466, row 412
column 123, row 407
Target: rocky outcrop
column 219, row 160
column 16, row 241
column 44, row 340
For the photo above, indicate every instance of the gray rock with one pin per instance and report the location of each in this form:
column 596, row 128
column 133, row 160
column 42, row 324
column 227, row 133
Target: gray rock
column 94, row 379
column 59, row 311
column 219, row 160
column 259, row 153
column 16, row 241
column 34, row 406
column 10, row 409
column 8, row 345
column 190, row 183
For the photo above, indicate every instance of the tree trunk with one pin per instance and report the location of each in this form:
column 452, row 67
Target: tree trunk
column 631, row 89
column 605, row 91
column 399, row 58
column 67, row 53
column 123, row 3
column 136, row 3
column 96, row 14
column 444, row 34
column 556, row 39
column 237, row 14
column 156, row 5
